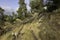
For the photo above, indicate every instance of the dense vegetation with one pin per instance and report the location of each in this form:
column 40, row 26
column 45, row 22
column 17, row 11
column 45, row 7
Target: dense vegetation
column 38, row 24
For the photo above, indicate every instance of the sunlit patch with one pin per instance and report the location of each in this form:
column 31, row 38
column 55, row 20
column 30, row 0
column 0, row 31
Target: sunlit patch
column 45, row 7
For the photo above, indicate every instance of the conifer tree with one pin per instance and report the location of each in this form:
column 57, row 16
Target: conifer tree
column 22, row 11
column 1, row 16
column 36, row 5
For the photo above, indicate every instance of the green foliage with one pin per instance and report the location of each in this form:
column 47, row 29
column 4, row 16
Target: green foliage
column 22, row 9
column 1, row 16
column 9, row 18
column 46, row 27
column 36, row 5
column 1, row 10
column 14, row 16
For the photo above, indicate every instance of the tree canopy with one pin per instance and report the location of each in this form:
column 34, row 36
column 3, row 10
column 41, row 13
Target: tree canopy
column 22, row 11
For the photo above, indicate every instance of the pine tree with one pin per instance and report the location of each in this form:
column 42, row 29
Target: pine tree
column 1, row 16
column 22, row 11
column 36, row 5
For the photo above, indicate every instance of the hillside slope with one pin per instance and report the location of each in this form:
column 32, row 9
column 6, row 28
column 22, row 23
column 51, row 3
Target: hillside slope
column 45, row 28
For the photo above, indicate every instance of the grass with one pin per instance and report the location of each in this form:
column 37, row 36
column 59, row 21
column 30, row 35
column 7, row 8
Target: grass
column 28, row 31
